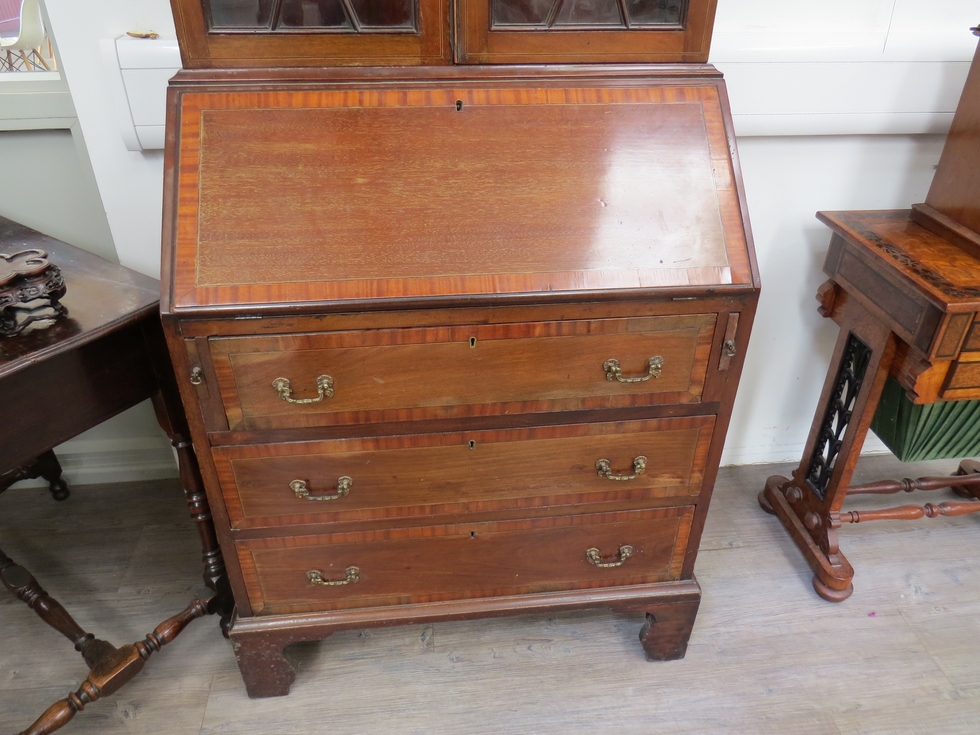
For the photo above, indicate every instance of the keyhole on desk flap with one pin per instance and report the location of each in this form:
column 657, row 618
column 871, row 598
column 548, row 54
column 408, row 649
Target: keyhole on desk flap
column 459, row 105
column 472, row 444
column 472, row 534
column 472, row 341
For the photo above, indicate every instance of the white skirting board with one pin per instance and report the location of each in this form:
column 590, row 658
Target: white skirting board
column 112, row 461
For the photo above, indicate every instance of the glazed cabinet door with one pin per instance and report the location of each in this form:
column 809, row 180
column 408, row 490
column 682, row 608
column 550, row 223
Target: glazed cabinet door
column 275, row 33
column 574, row 31
column 269, row 33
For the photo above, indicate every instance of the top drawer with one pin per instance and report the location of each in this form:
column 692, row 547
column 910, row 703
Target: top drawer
column 333, row 378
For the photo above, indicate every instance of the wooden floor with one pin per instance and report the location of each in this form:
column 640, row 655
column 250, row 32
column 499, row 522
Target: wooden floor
column 767, row 656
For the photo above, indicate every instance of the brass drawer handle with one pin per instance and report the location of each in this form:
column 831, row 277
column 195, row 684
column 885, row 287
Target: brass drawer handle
column 324, row 387
column 353, row 574
column 604, row 468
column 625, row 552
column 614, row 372
column 301, row 489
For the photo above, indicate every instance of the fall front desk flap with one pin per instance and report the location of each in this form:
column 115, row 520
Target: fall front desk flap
column 340, row 192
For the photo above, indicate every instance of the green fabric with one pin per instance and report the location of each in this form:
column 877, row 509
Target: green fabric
column 947, row 430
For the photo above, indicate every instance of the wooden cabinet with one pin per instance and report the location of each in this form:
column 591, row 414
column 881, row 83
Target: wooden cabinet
column 560, row 31
column 457, row 340
column 275, row 33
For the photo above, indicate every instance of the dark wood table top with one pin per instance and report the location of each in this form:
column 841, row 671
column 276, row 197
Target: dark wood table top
column 102, row 297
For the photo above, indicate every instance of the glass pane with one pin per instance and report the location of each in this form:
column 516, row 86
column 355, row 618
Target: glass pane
column 590, row 12
column 385, row 13
column 570, row 13
column 656, row 12
column 521, row 12
column 312, row 13
column 240, row 13
column 28, row 45
column 369, row 14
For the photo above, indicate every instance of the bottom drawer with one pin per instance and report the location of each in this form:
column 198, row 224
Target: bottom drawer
column 460, row 561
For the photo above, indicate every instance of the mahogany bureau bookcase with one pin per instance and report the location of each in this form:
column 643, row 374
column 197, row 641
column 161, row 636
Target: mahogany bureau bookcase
column 459, row 296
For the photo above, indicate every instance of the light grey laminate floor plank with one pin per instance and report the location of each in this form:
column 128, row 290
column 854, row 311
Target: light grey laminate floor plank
column 767, row 655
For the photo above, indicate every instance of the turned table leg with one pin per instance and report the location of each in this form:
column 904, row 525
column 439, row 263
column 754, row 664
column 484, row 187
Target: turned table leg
column 22, row 584
column 116, row 666
column 45, row 465
column 170, row 415
column 809, row 504
column 109, row 667
column 49, row 468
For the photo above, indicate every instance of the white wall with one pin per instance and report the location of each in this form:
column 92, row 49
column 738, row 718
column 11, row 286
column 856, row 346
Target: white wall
column 131, row 183
column 835, row 69
column 124, row 224
column 47, row 186
column 787, row 179
column 919, row 52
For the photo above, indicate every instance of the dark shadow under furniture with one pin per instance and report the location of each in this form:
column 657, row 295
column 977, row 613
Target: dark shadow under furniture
column 106, row 354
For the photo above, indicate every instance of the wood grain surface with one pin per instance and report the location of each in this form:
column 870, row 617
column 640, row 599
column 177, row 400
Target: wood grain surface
column 468, row 472
column 90, row 314
column 470, row 370
column 932, row 265
column 379, row 198
column 296, row 196
column 463, row 561
column 955, row 190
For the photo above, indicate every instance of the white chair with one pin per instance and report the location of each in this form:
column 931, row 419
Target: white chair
column 29, row 38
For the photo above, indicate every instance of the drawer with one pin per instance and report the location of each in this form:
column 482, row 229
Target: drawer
column 972, row 343
column 963, row 378
column 479, row 471
column 462, row 561
column 444, row 372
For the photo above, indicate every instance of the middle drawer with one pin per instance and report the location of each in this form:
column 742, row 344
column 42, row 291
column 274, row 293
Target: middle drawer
column 482, row 471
